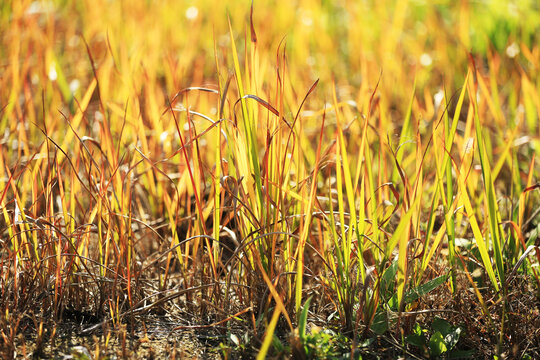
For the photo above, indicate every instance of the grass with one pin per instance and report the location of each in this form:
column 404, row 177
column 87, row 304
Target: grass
column 311, row 180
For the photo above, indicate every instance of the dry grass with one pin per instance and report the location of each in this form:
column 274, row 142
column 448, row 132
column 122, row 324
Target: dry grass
column 198, row 172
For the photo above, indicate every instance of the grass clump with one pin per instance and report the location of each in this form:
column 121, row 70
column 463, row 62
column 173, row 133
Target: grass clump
column 185, row 181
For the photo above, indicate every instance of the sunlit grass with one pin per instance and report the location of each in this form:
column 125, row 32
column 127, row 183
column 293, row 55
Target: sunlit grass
column 222, row 164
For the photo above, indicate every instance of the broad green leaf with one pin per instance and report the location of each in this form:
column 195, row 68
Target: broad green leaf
column 416, row 340
column 380, row 322
column 417, row 329
column 418, row 292
column 452, row 338
column 388, row 280
column 442, row 326
column 436, row 344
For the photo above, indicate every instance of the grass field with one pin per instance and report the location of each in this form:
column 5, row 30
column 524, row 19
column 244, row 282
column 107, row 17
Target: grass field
column 305, row 179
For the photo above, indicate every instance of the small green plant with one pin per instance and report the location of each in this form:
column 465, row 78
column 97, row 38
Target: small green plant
column 318, row 343
column 234, row 344
column 387, row 312
column 440, row 342
column 208, row 174
column 324, row 344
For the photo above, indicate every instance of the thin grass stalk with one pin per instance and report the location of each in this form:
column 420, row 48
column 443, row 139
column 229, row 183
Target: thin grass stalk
column 497, row 238
column 250, row 134
column 268, row 336
column 307, row 226
column 401, row 238
column 218, row 164
column 374, row 202
column 477, row 233
column 405, row 134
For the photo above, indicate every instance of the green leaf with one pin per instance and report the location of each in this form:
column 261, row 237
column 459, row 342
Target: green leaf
column 389, row 276
column 452, row 338
column 303, row 319
column 436, row 344
column 442, row 326
column 380, row 322
column 418, row 292
column 276, row 343
column 417, row 329
column 393, row 303
column 366, row 343
column 451, row 333
column 416, row 340
column 388, row 285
